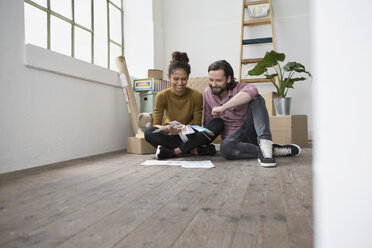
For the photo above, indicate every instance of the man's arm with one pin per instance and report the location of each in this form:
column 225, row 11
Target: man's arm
column 239, row 99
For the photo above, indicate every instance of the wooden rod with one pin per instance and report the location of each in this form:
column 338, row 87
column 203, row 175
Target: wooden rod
column 246, row 4
column 128, row 92
column 257, row 22
column 255, row 80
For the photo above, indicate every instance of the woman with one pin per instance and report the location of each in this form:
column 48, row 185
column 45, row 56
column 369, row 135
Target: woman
column 184, row 105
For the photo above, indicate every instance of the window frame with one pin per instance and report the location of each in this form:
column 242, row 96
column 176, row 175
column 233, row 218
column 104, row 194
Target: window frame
column 109, row 3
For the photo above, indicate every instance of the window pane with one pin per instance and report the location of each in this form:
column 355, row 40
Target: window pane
column 41, row 3
column 83, row 44
column 62, row 7
column 100, row 33
column 60, row 36
column 117, row 2
column 115, row 24
column 36, row 29
column 115, row 51
column 83, row 12
column 35, row 26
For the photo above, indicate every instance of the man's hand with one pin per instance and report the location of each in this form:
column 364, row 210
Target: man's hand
column 218, row 111
column 237, row 100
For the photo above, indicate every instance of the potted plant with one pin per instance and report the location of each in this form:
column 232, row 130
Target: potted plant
column 282, row 77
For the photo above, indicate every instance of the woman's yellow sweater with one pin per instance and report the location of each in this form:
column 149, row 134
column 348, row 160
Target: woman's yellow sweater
column 186, row 109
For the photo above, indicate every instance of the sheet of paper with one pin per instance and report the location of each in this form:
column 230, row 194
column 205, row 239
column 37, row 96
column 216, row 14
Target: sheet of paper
column 162, row 162
column 206, row 164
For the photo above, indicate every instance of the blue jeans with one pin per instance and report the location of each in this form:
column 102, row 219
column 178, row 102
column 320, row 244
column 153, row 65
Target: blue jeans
column 244, row 142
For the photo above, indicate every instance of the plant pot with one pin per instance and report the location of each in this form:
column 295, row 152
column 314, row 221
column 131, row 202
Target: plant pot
column 283, row 106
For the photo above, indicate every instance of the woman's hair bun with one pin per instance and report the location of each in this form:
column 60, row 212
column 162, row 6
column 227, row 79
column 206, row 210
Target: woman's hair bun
column 178, row 56
column 179, row 60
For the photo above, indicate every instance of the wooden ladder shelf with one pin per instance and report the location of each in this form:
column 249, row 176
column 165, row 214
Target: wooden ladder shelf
column 245, row 42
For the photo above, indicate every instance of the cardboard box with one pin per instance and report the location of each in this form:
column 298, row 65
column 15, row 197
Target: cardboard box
column 139, row 146
column 269, row 101
column 289, row 129
column 153, row 73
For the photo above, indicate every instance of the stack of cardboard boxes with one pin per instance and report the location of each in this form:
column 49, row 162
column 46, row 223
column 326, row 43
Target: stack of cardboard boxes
column 286, row 129
column 148, row 88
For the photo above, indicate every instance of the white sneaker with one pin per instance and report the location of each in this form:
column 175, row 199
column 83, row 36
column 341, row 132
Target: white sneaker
column 265, row 156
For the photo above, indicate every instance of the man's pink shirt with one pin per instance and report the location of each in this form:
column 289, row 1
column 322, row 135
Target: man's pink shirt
column 233, row 117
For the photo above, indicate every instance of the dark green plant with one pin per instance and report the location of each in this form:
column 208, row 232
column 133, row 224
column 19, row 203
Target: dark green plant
column 283, row 74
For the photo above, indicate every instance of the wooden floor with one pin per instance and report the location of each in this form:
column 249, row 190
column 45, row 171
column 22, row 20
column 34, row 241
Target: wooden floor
column 112, row 201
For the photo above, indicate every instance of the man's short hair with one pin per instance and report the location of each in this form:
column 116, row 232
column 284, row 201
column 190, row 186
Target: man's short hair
column 228, row 71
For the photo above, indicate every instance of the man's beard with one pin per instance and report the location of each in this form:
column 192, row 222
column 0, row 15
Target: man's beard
column 217, row 90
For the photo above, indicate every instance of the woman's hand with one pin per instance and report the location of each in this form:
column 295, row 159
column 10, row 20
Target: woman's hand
column 175, row 129
column 172, row 129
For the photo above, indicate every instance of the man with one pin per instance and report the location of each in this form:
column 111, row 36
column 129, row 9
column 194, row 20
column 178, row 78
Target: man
column 247, row 129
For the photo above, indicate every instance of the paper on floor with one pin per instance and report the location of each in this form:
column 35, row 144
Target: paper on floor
column 206, row 164
column 198, row 164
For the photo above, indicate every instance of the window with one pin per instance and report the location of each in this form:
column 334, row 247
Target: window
column 89, row 30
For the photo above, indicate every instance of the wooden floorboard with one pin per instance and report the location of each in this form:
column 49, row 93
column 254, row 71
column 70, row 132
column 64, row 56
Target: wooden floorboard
column 112, row 201
column 262, row 221
column 214, row 223
column 70, row 200
column 180, row 211
column 57, row 177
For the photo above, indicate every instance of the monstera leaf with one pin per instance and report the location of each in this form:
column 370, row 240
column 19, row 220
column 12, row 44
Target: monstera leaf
column 283, row 82
column 294, row 66
column 287, row 83
column 271, row 76
column 271, row 59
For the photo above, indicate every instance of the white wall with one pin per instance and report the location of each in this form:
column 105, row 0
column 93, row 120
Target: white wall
column 292, row 36
column 46, row 117
column 210, row 30
column 158, row 36
column 341, row 39
column 207, row 30
column 139, row 36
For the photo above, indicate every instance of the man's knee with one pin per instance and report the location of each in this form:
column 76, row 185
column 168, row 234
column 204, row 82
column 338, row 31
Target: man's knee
column 259, row 100
column 228, row 149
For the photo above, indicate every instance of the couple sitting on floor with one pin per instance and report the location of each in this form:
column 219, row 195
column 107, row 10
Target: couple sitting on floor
column 233, row 110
